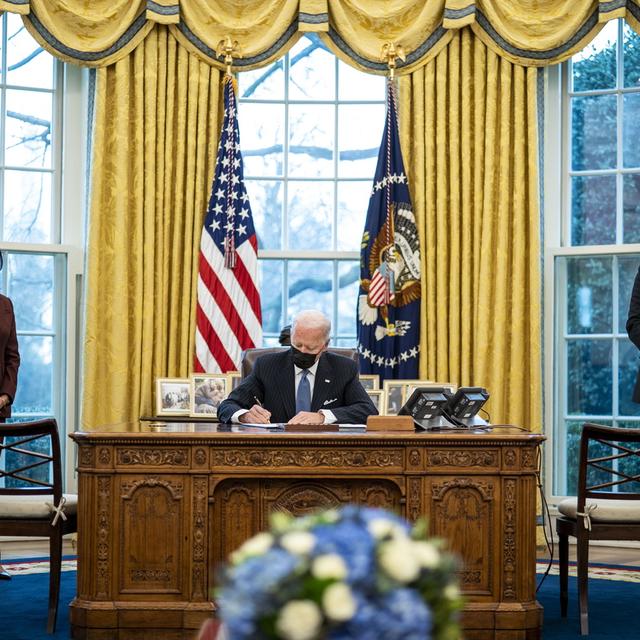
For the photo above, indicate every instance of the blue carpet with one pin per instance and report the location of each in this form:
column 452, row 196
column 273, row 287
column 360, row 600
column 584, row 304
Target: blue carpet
column 24, row 602
column 612, row 608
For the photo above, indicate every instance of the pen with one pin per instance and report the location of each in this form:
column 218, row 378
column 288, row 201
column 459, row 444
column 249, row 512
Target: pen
column 257, row 401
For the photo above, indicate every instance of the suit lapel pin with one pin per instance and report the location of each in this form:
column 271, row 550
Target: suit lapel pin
column 327, row 381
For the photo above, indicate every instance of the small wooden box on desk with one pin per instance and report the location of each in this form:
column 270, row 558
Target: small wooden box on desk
column 390, row 423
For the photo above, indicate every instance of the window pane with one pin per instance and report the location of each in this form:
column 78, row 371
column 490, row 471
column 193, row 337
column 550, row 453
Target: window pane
column 40, row 472
column 310, row 285
column 35, row 381
column 631, row 130
column 589, row 377
column 265, row 197
column 627, row 372
column 571, row 450
column 593, row 210
column 271, row 279
column 305, row 58
column 310, row 211
column 27, row 63
column 631, row 207
column 589, row 295
column 262, row 138
column 353, row 200
column 356, row 85
column 28, row 129
column 631, row 56
column 360, row 132
column 348, row 283
column 593, row 132
column 595, row 66
column 627, row 269
column 27, row 206
column 262, row 83
column 31, row 291
column 311, row 140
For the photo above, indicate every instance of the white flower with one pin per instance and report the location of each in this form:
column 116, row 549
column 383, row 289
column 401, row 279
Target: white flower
column 382, row 527
column 398, row 560
column 299, row 620
column 329, row 565
column 451, row 592
column 298, row 542
column 256, row 546
column 338, row 602
column 427, row 554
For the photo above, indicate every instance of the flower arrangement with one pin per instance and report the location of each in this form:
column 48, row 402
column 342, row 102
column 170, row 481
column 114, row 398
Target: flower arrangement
column 356, row 572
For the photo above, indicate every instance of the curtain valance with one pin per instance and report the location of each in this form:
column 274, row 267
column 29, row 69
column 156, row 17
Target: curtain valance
column 532, row 33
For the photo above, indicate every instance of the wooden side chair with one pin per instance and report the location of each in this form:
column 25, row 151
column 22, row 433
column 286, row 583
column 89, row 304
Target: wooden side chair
column 31, row 498
column 607, row 506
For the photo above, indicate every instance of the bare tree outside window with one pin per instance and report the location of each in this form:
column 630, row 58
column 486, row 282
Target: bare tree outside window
column 310, row 130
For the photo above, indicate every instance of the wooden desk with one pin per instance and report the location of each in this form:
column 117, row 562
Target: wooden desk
column 158, row 510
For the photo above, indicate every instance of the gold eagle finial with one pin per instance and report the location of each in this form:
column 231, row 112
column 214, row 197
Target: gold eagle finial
column 389, row 53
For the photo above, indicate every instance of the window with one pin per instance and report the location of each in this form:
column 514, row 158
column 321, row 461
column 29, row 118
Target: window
column 595, row 251
column 310, row 129
column 43, row 106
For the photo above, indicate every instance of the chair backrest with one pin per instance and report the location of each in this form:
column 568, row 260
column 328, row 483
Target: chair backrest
column 30, row 459
column 609, row 464
column 250, row 356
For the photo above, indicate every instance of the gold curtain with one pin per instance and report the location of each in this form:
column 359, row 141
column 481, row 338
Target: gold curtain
column 155, row 135
column 99, row 32
column 469, row 136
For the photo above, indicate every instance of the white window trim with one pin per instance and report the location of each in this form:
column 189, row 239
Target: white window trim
column 556, row 229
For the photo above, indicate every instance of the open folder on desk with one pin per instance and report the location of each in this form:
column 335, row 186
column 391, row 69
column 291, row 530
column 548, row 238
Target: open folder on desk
column 319, row 428
column 263, row 425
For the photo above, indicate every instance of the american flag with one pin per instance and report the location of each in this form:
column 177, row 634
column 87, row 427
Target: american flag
column 228, row 316
column 389, row 297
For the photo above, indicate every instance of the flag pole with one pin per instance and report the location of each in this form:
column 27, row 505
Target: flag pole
column 226, row 49
column 390, row 53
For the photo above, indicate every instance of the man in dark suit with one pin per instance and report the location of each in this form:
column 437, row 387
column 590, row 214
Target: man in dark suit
column 633, row 327
column 302, row 385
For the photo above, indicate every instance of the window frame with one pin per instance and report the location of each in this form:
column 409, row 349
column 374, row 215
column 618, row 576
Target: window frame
column 335, row 256
column 69, row 135
column 556, row 229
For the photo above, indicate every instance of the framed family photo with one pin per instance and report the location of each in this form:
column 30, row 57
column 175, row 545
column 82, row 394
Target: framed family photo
column 393, row 396
column 208, row 390
column 376, row 398
column 396, row 392
column 370, row 381
column 236, row 379
column 173, row 396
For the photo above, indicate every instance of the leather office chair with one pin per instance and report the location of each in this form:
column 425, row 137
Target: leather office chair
column 250, row 356
column 31, row 498
column 607, row 506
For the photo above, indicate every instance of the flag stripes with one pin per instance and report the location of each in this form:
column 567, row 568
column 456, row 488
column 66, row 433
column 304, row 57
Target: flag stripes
column 228, row 314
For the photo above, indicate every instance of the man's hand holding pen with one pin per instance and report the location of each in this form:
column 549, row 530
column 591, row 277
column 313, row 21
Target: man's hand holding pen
column 257, row 414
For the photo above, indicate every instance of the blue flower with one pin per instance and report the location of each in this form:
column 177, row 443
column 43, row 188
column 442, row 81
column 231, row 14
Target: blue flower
column 257, row 588
column 352, row 541
column 398, row 615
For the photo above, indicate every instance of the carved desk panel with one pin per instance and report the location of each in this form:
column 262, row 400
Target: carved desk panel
column 159, row 509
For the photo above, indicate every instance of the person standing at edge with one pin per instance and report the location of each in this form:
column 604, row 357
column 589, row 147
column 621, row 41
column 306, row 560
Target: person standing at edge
column 9, row 364
column 305, row 384
column 633, row 327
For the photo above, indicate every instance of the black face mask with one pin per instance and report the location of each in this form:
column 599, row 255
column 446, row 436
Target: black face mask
column 303, row 360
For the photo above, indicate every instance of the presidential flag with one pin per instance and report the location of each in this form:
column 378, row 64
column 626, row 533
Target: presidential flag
column 228, row 316
column 389, row 296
